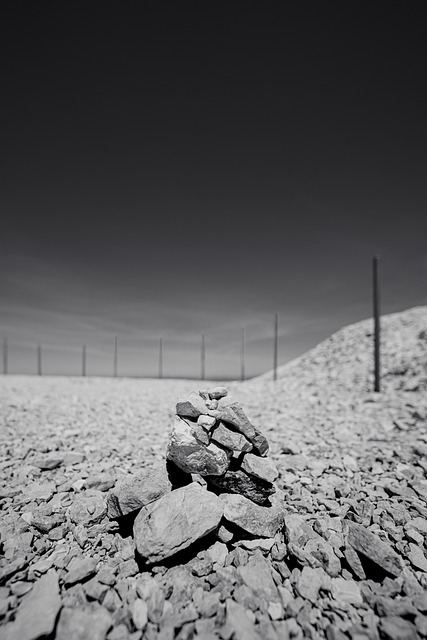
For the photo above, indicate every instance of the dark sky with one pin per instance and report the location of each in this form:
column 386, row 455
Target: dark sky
column 172, row 168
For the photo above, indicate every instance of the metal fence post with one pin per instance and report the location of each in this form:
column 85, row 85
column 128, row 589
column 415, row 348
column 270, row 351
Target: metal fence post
column 5, row 356
column 115, row 358
column 84, row 360
column 202, row 357
column 242, row 355
column 161, row 357
column 276, row 342
column 39, row 360
column 376, row 272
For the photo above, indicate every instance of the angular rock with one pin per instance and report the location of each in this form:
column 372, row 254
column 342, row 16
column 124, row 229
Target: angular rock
column 230, row 439
column 260, row 521
column 395, row 628
column 207, row 422
column 262, row 468
column 48, row 462
column 37, row 612
column 100, row 482
column 310, row 581
column 175, row 521
column 192, row 456
column 217, row 392
column 234, row 414
column 140, row 614
column 191, row 406
column 239, row 482
column 79, row 624
column 88, row 508
column 346, row 591
column 134, row 492
column 417, row 557
column 308, row 546
column 239, row 623
column 256, row 574
column 80, row 569
column 370, row 546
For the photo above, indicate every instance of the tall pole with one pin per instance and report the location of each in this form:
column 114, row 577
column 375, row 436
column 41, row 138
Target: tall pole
column 242, row 355
column 84, row 360
column 276, row 342
column 160, row 357
column 39, row 360
column 376, row 272
column 115, row 357
column 5, row 354
column 202, row 357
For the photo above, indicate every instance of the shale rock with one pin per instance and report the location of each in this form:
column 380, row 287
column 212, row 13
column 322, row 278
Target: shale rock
column 230, row 439
column 369, row 545
column 253, row 518
column 175, row 521
column 193, row 456
column 239, row 482
column 136, row 491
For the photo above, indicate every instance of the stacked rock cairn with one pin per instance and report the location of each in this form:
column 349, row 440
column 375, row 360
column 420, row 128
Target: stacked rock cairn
column 217, row 479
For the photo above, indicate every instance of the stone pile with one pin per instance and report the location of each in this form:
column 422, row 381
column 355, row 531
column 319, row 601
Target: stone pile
column 217, row 477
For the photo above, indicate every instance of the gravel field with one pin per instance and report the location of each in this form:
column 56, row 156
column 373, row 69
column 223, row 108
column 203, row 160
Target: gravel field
column 350, row 561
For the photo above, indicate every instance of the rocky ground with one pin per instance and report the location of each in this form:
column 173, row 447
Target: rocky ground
column 350, row 561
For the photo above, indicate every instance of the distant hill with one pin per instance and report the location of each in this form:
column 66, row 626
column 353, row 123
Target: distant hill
column 344, row 361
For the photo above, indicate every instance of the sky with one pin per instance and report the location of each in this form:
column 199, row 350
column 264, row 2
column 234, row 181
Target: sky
column 174, row 168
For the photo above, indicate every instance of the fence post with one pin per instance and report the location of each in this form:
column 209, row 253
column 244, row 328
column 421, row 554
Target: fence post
column 115, row 357
column 161, row 357
column 376, row 272
column 242, row 355
column 39, row 360
column 276, row 342
column 202, row 357
column 84, row 360
column 5, row 354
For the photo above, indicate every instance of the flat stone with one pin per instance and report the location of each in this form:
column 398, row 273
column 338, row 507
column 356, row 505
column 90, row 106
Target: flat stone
column 80, row 569
column 256, row 574
column 262, row 468
column 47, row 463
column 370, row 545
column 395, row 628
column 37, row 613
column 217, row 392
column 100, row 482
column 88, row 508
column 417, row 557
column 239, row 482
column 230, row 439
column 134, row 492
column 191, row 455
column 239, row 623
column 346, row 591
column 310, row 581
column 191, row 405
column 207, row 422
column 80, row 624
column 253, row 518
column 234, row 414
column 175, row 521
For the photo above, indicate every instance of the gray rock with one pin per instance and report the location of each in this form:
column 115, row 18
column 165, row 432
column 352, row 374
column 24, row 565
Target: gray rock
column 80, row 624
column 217, row 392
column 256, row 574
column 417, row 557
column 192, row 456
column 346, row 591
column 308, row 546
column 234, row 414
column 310, row 581
column 395, row 628
column 207, row 422
column 47, row 463
column 88, row 508
column 240, row 625
column 262, row 468
column 259, row 521
column 370, row 546
column 191, row 406
column 37, row 612
column 134, row 492
column 239, row 482
column 140, row 614
column 175, row 521
column 100, row 482
column 80, row 569
column 230, row 439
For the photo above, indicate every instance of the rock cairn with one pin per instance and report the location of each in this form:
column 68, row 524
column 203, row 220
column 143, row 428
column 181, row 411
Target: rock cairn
column 217, row 478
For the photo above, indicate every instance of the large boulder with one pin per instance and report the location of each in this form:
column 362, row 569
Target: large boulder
column 133, row 492
column 175, row 521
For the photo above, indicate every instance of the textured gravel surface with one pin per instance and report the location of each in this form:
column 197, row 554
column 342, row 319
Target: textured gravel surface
column 351, row 559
